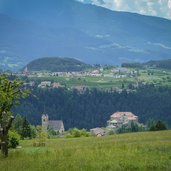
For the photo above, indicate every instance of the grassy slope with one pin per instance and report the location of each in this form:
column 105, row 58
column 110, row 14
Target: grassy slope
column 135, row 151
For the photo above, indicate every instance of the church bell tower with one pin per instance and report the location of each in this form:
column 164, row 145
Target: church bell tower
column 44, row 122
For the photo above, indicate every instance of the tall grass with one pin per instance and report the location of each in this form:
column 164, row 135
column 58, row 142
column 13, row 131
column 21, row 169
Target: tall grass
column 125, row 152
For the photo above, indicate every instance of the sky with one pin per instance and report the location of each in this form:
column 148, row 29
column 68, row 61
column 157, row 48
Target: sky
column 159, row 8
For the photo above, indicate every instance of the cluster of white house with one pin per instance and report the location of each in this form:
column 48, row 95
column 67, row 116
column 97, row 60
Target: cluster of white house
column 119, row 72
column 49, row 84
column 45, row 84
column 117, row 120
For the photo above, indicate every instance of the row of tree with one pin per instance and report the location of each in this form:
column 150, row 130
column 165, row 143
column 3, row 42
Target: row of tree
column 23, row 127
column 94, row 107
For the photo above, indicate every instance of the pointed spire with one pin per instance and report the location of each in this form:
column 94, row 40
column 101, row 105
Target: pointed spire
column 26, row 71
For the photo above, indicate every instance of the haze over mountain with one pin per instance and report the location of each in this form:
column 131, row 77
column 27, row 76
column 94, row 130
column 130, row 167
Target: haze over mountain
column 38, row 28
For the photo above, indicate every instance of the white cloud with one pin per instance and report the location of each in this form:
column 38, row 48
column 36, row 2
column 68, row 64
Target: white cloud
column 169, row 4
column 160, row 8
column 120, row 46
column 160, row 45
column 100, row 36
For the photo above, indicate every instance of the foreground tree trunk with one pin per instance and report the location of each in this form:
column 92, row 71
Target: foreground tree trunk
column 4, row 144
column 4, row 138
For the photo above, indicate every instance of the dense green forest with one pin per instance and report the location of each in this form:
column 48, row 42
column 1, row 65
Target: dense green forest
column 57, row 64
column 94, row 107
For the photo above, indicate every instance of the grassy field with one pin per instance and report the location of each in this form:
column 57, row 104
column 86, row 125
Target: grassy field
column 145, row 151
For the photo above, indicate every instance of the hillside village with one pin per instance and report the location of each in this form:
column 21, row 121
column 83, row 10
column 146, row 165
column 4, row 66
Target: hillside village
column 115, row 72
column 108, row 78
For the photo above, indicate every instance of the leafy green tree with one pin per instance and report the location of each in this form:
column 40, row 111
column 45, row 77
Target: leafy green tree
column 17, row 124
column 41, row 136
column 26, row 130
column 10, row 94
column 13, row 138
column 157, row 126
column 33, row 131
column 23, row 128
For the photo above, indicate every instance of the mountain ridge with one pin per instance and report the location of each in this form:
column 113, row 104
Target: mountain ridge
column 90, row 33
column 161, row 64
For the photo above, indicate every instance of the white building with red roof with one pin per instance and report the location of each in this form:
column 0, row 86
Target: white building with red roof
column 121, row 118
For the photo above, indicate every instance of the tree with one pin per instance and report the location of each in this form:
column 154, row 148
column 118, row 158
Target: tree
column 23, row 128
column 13, row 138
column 41, row 136
column 33, row 131
column 26, row 130
column 157, row 126
column 10, row 94
column 17, row 124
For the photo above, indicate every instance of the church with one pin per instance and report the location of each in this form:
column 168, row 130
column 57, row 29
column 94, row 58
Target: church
column 56, row 125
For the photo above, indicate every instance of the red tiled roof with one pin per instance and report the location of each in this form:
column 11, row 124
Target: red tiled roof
column 118, row 115
column 56, row 85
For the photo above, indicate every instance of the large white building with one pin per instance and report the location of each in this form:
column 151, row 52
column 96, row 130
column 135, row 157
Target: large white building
column 120, row 118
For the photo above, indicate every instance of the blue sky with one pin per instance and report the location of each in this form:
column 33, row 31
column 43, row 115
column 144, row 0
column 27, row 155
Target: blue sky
column 159, row 8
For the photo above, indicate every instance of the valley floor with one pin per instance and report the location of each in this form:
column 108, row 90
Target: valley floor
column 124, row 152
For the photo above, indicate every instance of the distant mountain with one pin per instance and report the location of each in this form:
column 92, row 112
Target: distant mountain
column 33, row 29
column 57, row 64
column 164, row 64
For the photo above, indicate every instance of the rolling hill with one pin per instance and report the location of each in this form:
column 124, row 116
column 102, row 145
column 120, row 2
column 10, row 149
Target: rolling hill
column 57, row 64
column 33, row 29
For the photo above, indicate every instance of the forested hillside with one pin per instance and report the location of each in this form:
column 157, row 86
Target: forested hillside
column 164, row 64
column 93, row 108
column 57, row 64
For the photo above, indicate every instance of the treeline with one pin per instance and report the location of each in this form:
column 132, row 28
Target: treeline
column 164, row 64
column 94, row 107
column 132, row 65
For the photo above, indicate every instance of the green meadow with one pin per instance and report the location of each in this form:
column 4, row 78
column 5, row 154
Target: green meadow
column 145, row 151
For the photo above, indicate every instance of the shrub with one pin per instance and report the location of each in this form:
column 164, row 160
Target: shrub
column 13, row 139
column 75, row 132
column 157, row 126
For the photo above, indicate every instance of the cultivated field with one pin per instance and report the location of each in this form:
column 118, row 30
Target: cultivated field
column 152, row 76
column 125, row 152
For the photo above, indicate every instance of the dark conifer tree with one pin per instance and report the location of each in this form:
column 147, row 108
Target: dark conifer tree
column 26, row 130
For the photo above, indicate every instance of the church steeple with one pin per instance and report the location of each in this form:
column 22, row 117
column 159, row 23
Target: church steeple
column 26, row 72
column 45, row 120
